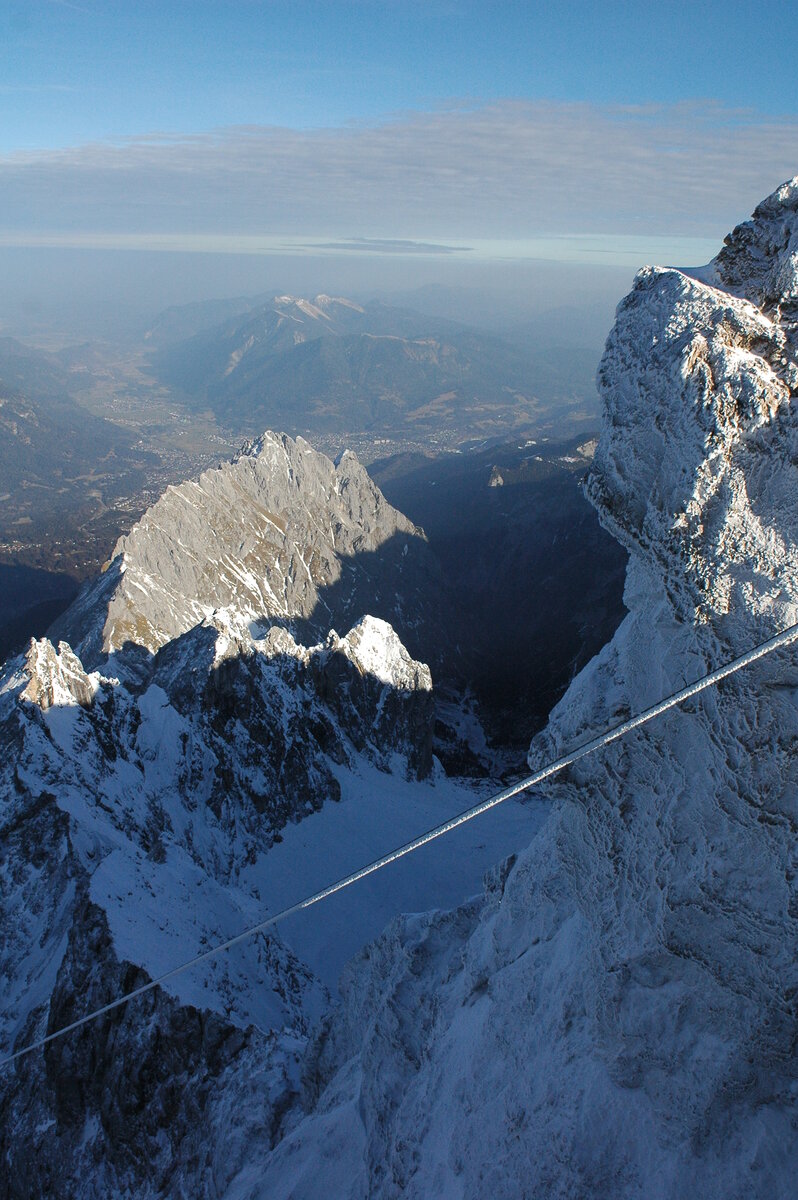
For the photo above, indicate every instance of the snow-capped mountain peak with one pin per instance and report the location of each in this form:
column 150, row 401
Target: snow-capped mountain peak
column 272, row 535
column 759, row 259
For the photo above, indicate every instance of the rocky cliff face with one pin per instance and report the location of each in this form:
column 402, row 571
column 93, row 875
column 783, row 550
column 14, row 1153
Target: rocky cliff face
column 207, row 702
column 281, row 533
column 617, row 1015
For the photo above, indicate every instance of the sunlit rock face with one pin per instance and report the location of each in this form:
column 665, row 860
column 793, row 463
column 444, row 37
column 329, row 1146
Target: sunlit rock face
column 282, row 532
column 617, row 1016
column 209, row 701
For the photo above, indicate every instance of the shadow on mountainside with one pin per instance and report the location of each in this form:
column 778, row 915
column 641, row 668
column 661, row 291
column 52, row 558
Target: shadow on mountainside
column 252, row 732
column 400, row 582
column 540, row 583
column 30, row 600
column 513, row 590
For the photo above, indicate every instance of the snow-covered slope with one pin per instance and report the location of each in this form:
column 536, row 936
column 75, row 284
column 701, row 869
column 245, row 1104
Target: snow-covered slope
column 159, row 793
column 617, row 1016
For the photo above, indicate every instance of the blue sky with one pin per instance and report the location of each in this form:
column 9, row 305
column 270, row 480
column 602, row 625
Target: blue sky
column 611, row 132
column 73, row 71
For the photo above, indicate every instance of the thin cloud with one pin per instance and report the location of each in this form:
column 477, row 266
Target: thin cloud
column 70, row 4
column 386, row 246
column 8, row 89
column 596, row 249
column 508, row 170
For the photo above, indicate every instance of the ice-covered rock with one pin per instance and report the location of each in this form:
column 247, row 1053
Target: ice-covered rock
column 759, row 259
column 617, row 1017
column 56, row 676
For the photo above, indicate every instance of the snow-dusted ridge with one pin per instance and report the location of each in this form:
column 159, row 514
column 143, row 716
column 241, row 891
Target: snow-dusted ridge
column 153, row 786
column 617, row 1016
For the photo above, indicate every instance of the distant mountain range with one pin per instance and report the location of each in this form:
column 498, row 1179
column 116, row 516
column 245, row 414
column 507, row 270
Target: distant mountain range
column 331, row 365
column 63, row 470
column 182, row 321
column 92, row 433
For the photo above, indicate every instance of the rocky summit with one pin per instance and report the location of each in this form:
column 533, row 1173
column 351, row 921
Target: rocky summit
column 280, row 533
